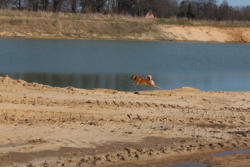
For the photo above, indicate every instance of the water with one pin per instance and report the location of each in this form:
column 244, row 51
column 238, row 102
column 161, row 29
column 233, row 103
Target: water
column 224, row 153
column 219, row 154
column 189, row 164
column 109, row 64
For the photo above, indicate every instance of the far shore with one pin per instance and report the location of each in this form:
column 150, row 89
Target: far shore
column 175, row 33
column 16, row 24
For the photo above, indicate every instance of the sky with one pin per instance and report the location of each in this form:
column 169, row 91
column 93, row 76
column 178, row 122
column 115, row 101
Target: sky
column 236, row 2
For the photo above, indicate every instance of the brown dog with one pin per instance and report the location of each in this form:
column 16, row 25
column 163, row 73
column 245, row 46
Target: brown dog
column 142, row 81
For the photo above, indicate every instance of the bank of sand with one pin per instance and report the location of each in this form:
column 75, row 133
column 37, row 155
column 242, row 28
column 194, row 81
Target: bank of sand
column 26, row 24
column 50, row 126
column 157, row 33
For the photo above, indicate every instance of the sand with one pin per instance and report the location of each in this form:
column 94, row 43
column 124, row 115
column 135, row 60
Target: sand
column 207, row 33
column 50, row 126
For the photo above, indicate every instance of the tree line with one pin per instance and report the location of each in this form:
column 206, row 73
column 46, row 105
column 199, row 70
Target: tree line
column 192, row 9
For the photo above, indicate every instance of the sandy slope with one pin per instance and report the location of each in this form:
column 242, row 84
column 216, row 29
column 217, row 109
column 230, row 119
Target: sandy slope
column 49, row 126
column 208, row 34
column 159, row 32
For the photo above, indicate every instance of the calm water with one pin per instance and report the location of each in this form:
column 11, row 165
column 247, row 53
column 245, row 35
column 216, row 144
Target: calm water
column 109, row 64
column 234, row 152
column 189, row 164
column 219, row 154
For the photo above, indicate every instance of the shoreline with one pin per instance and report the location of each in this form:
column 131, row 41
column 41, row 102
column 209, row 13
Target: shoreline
column 114, row 39
column 107, row 39
column 52, row 126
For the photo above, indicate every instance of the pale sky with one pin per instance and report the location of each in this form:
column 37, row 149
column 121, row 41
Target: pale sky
column 236, row 2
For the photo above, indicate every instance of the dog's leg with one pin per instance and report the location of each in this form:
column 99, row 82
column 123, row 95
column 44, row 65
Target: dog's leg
column 156, row 86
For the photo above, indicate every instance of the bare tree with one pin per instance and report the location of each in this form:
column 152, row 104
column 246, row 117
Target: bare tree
column 3, row 4
column 57, row 4
column 88, row 6
column 45, row 4
column 33, row 5
column 245, row 13
column 99, row 5
column 73, row 5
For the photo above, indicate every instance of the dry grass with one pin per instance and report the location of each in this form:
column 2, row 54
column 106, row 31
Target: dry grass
column 70, row 16
column 74, row 25
column 118, row 18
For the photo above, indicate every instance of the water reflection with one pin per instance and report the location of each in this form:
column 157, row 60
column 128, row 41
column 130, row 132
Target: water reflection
column 189, row 164
column 234, row 152
column 86, row 81
column 122, row 82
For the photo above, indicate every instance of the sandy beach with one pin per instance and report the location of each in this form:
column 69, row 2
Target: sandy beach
column 48, row 126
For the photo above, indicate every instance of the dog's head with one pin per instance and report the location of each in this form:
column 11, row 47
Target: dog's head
column 133, row 77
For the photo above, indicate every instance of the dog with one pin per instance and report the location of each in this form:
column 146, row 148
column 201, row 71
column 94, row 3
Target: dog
column 142, row 81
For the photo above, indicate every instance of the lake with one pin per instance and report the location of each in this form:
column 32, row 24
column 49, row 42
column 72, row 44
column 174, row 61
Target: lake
column 109, row 64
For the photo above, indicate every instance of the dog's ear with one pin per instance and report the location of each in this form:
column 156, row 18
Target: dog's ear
column 133, row 77
column 149, row 77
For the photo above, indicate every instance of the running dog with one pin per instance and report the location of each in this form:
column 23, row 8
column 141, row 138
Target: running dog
column 142, row 81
